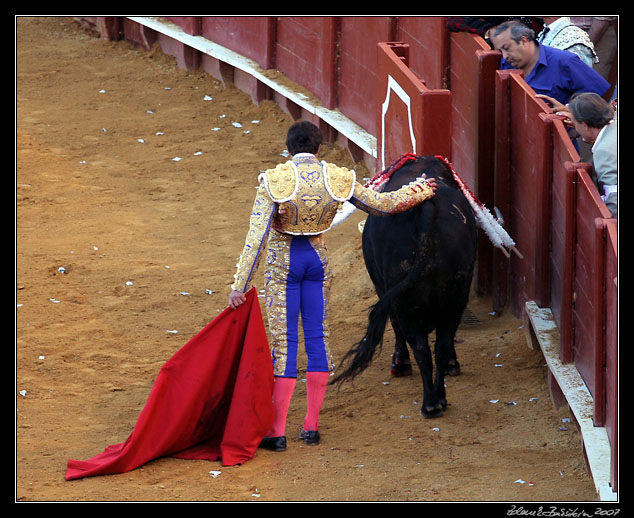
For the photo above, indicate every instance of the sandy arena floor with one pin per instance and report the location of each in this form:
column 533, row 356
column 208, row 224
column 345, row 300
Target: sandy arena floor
column 109, row 209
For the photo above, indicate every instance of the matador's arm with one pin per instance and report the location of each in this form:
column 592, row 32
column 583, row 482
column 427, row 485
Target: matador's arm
column 386, row 203
column 259, row 226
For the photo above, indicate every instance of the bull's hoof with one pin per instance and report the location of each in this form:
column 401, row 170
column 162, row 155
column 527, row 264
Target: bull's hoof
column 432, row 412
column 454, row 368
column 401, row 366
column 401, row 369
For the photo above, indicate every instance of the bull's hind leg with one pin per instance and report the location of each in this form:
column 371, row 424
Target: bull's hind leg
column 453, row 365
column 401, row 365
column 419, row 342
column 445, row 358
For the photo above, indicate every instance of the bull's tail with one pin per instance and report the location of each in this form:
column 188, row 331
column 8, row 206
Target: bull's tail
column 359, row 357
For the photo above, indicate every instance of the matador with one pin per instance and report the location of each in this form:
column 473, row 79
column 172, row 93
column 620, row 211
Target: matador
column 295, row 205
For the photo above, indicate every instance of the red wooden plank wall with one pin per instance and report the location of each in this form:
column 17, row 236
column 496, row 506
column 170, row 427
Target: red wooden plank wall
column 358, row 66
column 472, row 84
column 251, row 36
column 465, row 90
column 587, row 348
column 190, row 24
column 185, row 56
column 523, row 178
column 563, row 228
column 427, row 37
column 562, row 233
column 611, row 344
column 305, row 51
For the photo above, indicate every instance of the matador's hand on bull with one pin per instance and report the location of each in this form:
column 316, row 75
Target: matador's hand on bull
column 431, row 182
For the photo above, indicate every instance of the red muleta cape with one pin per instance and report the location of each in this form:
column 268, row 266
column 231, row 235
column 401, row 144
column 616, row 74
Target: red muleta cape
column 212, row 400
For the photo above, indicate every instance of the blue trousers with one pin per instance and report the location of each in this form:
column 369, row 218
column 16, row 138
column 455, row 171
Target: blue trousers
column 297, row 285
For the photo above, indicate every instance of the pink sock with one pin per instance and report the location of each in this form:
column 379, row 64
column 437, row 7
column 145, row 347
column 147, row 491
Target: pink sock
column 316, row 384
column 282, row 392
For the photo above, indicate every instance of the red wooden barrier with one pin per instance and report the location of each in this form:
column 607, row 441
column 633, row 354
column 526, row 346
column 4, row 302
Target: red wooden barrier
column 523, row 171
column 587, row 305
column 427, row 37
column 555, row 228
column 571, row 245
column 472, row 85
column 251, row 36
column 562, row 235
column 108, row 27
column 186, row 57
column 305, row 52
column 612, row 344
column 358, row 67
column 138, row 34
column 412, row 118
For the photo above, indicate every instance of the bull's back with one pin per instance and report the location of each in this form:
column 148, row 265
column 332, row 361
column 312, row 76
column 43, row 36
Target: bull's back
column 438, row 238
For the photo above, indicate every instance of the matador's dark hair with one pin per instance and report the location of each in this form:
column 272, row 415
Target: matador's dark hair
column 303, row 137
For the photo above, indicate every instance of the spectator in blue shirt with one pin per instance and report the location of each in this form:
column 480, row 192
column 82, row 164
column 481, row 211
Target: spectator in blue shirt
column 548, row 71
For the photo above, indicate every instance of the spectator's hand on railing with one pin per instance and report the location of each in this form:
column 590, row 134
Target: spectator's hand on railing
column 559, row 109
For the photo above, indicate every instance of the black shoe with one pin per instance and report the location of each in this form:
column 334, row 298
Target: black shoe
column 274, row 443
column 310, row 436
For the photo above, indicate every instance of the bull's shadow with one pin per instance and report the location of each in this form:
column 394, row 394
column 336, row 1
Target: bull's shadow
column 421, row 264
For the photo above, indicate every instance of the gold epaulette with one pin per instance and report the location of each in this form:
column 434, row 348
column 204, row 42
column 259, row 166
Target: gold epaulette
column 280, row 182
column 340, row 182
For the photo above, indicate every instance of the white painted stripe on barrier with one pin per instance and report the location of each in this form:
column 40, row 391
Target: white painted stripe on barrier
column 394, row 86
column 334, row 118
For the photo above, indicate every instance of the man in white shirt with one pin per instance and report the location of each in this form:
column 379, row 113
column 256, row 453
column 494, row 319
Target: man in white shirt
column 596, row 123
column 594, row 119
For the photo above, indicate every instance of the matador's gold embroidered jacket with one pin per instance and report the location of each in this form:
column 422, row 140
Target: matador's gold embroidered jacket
column 302, row 197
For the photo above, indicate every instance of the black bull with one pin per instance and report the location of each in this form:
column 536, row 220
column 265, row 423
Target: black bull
column 421, row 263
